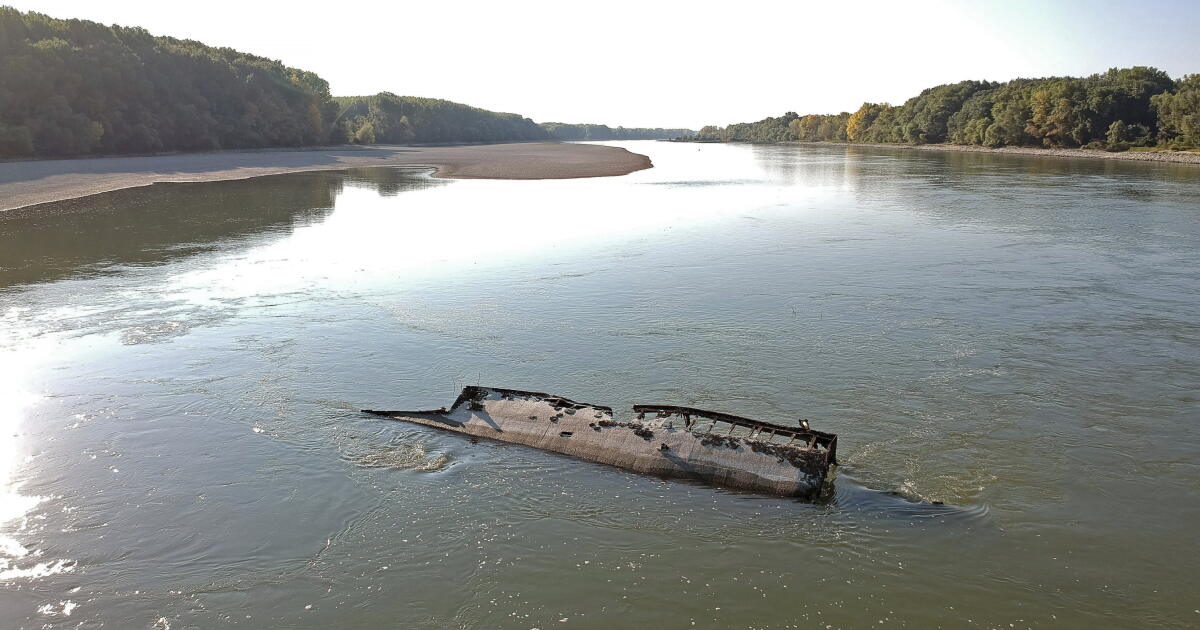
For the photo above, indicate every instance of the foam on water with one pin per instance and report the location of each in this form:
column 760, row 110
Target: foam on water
column 397, row 455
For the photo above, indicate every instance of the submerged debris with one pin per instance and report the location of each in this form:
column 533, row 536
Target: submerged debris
column 719, row 448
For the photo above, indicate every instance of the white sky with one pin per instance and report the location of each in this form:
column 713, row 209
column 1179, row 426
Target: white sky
column 672, row 64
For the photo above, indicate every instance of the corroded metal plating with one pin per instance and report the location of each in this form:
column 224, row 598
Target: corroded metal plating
column 716, row 447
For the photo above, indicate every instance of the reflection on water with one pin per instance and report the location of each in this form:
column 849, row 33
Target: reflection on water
column 1016, row 338
column 15, row 560
column 130, row 227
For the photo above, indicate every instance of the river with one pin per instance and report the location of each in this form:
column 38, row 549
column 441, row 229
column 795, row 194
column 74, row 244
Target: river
column 1018, row 338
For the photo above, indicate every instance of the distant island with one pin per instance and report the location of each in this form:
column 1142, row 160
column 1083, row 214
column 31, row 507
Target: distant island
column 73, row 88
column 1118, row 110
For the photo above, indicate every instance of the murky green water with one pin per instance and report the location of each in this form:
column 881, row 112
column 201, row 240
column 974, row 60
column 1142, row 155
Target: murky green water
column 1020, row 338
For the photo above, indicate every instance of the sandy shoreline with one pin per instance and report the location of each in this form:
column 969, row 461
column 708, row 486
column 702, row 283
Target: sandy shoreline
column 1173, row 157
column 24, row 184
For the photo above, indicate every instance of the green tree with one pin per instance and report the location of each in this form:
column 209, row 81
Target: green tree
column 401, row 119
column 1051, row 112
column 72, row 87
column 1178, row 114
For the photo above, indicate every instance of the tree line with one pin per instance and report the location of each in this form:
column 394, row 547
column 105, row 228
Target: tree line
column 386, row 118
column 1113, row 110
column 590, row 131
column 74, row 87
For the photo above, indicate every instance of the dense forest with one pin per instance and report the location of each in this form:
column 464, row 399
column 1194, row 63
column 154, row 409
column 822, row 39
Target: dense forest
column 587, row 131
column 1114, row 110
column 387, row 118
column 73, row 87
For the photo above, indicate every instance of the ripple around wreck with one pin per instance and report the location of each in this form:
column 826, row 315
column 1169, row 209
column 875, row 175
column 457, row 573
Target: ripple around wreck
column 398, row 456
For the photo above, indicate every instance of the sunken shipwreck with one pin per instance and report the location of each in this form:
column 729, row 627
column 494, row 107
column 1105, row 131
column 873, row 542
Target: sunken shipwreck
column 663, row 440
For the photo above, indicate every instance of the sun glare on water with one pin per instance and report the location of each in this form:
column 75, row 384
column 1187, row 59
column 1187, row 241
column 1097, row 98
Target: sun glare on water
column 16, row 398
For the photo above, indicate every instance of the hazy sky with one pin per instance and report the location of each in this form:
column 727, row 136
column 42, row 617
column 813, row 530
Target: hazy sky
column 672, row 64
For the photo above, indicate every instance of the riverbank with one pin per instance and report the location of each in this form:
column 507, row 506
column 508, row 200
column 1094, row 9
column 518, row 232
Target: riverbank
column 31, row 183
column 1175, row 157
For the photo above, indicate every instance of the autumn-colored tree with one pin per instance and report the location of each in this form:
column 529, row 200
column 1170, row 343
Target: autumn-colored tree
column 862, row 119
column 806, row 128
column 1052, row 112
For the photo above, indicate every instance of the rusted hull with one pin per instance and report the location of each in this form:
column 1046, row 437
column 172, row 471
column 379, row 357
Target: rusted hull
column 660, row 440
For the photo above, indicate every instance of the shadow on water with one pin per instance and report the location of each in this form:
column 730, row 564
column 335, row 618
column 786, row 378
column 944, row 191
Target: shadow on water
column 847, row 495
column 157, row 224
